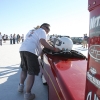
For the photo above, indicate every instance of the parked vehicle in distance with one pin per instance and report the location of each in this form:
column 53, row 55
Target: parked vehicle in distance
column 77, row 40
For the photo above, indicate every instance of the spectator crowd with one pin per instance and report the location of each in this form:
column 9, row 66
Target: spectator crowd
column 13, row 38
column 17, row 38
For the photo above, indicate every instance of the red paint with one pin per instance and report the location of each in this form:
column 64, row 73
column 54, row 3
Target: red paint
column 93, row 68
column 74, row 79
column 68, row 77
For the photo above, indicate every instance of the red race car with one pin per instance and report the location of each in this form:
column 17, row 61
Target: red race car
column 76, row 78
column 65, row 77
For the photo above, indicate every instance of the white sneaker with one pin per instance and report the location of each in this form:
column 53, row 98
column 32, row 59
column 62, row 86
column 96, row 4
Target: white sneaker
column 29, row 96
column 20, row 88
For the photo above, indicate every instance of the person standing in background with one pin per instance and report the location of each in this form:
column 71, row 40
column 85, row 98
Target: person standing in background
column 4, row 38
column 85, row 41
column 14, row 38
column 11, row 38
column 18, row 38
column 22, row 37
column 0, row 39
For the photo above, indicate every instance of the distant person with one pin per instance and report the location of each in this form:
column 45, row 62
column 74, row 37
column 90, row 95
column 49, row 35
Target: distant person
column 0, row 39
column 22, row 37
column 85, row 41
column 4, row 38
column 11, row 38
column 18, row 38
column 30, row 50
column 14, row 38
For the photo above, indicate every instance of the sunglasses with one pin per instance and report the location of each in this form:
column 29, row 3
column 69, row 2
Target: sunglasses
column 47, row 28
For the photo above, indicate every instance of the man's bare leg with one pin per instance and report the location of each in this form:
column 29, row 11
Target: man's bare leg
column 23, row 76
column 29, row 83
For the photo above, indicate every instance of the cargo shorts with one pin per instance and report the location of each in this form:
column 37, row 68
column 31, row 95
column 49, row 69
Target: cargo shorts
column 29, row 63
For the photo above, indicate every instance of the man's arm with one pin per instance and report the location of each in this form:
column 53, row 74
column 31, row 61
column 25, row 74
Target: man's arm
column 46, row 44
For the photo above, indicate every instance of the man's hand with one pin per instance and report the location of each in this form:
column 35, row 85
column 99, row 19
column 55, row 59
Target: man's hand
column 57, row 49
column 47, row 45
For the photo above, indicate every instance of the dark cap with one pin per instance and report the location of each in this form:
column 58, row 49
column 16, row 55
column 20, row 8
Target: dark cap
column 45, row 24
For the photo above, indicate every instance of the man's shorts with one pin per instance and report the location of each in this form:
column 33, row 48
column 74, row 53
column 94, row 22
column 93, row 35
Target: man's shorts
column 29, row 63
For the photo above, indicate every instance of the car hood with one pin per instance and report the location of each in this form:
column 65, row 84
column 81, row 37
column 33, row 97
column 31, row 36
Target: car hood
column 70, row 75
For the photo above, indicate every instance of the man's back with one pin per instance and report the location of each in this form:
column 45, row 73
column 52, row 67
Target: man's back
column 31, row 43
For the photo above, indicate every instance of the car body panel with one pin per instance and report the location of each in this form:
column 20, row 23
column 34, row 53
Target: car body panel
column 93, row 68
column 65, row 77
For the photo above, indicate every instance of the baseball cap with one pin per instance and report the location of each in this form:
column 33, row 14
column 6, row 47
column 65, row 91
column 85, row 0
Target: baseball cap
column 46, row 25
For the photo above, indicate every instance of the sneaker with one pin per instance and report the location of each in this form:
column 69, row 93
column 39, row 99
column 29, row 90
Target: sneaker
column 29, row 96
column 20, row 88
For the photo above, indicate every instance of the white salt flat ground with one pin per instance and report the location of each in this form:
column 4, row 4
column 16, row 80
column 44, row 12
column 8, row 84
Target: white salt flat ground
column 10, row 72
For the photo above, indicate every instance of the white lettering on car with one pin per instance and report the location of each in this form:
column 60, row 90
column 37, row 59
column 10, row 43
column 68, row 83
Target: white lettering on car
column 89, row 96
column 94, row 22
column 91, row 77
column 94, row 52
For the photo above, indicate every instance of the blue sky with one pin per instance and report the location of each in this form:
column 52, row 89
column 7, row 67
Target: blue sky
column 66, row 17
